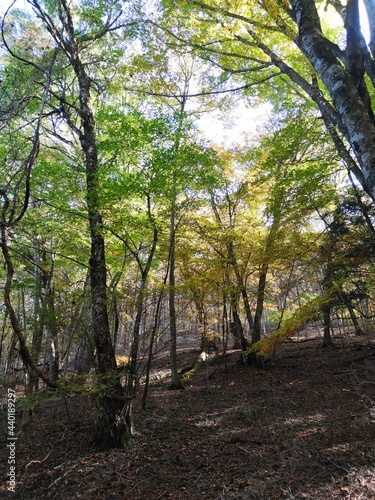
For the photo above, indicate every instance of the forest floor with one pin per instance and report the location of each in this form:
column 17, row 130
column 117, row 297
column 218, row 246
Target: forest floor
column 304, row 428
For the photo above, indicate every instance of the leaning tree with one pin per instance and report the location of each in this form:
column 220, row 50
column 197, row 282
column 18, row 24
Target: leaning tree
column 292, row 51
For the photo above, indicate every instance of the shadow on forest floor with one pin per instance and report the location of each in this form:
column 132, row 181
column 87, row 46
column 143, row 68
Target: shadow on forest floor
column 302, row 429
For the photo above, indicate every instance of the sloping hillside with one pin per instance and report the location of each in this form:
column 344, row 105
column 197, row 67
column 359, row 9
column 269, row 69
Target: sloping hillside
column 302, row 428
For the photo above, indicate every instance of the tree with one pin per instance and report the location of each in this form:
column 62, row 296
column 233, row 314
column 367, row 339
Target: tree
column 346, row 250
column 232, row 200
column 296, row 163
column 114, row 212
column 73, row 39
column 24, row 113
column 343, row 75
column 260, row 43
column 133, row 188
column 184, row 164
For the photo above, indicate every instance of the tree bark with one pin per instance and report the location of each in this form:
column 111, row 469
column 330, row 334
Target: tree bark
column 356, row 121
column 144, row 269
column 236, row 328
column 175, row 379
column 114, row 426
column 370, row 9
column 260, row 302
column 327, row 339
column 38, row 318
column 50, row 325
column 86, row 352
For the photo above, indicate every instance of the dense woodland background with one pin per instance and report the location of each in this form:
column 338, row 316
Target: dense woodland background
column 127, row 232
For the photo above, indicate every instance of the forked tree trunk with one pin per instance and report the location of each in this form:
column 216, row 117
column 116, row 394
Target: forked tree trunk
column 236, row 328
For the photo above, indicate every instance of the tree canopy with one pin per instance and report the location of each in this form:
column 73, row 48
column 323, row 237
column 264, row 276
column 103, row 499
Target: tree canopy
column 125, row 229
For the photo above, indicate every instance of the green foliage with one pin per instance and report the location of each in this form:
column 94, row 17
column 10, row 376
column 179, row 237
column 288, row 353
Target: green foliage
column 267, row 191
column 88, row 385
column 297, row 169
column 30, row 402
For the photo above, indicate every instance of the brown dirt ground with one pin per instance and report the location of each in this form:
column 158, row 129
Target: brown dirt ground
column 304, row 428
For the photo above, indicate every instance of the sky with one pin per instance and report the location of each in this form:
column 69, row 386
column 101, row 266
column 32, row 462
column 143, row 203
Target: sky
column 243, row 121
column 250, row 121
column 364, row 22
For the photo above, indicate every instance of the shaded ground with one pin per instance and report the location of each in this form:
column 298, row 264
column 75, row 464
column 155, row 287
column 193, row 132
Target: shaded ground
column 302, row 429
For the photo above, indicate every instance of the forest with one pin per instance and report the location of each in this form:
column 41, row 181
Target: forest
column 148, row 244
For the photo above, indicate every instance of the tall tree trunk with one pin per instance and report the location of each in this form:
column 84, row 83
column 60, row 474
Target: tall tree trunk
column 370, row 8
column 4, row 334
column 154, row 334
column 242, row 287
column 353, row 114
column 326, row 308
column 224, row 326
column 38, row 318
column 23, row 350
column 353, row 317
column 240, row 281
column 260, row 303
column 263, row 275
column 52, row 347
column 145, row 269
column 86, row 351
column 50, row 325
column 327, row 339
column 10, row 218
column 236, row 328
column 175, row 379
column 116, row 321
column 114, row 426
